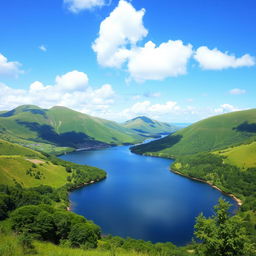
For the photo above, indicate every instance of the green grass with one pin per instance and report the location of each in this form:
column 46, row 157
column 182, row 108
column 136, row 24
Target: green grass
column 243, row 156
column 214, row 133
column 10, row 246
column 14, row 169
column 15, row 161
column 8, row 148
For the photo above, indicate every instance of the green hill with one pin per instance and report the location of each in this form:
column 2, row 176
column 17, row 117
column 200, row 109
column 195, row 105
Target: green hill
column 30, row 168
column 62, row 127
column 242, row 156
column 210, row 134
column 146, row 126
column 7, row 148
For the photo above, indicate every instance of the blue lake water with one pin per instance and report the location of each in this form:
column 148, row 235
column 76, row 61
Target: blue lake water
column 141, row 198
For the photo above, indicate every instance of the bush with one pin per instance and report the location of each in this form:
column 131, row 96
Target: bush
column 84, row 235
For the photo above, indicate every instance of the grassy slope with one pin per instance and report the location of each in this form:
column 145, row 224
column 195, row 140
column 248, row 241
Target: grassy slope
column 10, row 246
column 243, row 156
column 149, row 126
column 210, row 134
column 63, row 120
column 7, row 148
column 15, row 161
column 14, row 168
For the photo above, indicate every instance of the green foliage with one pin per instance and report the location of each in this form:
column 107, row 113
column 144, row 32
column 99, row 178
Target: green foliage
column 84, row 235
column 14, row 197
column 222, row 235
column 113, row 243
column 213, row 169
column 46, row 223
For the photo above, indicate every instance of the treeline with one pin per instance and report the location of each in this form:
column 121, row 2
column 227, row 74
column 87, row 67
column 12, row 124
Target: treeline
column 113, row 243
column 46, row 223
column 211, row 168
column 79, row 175
column 12, row 197
column 230, row 179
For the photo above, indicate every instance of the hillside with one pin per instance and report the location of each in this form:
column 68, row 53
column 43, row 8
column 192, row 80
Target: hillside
column 62, row 127
column 242, row 156
column 210, row 134
column 30, row 168
column 146, row 126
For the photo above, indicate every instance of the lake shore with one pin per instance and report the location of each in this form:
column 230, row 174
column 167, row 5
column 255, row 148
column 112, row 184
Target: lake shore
column 69, row 207
column 238, row 201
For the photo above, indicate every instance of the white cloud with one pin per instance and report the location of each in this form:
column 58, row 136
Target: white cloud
column 117, row 44
column 42, row 48
column 237, row 91
column 217, row 60
column 70, row 90
column 157, row 63
column 225, row 108
column 72, row 81
column 9, row 68
column 76, row 6
column 149, row 109
column 122, row 28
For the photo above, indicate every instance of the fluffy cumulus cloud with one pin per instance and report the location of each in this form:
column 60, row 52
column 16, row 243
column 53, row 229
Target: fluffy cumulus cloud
column 225, row 108
column 117, row 44
column 122, row 28
column 157, row 63
column 9, row 68
column 237, row 91
column 77, row 6
column 70, row 90
column 217, row 60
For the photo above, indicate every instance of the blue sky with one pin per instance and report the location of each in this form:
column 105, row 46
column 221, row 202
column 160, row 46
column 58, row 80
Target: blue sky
column 176, row 61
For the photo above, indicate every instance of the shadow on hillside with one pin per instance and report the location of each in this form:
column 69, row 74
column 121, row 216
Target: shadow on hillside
column 245, row 127
column 157, row 145
column 67, row 139
column 37, row 112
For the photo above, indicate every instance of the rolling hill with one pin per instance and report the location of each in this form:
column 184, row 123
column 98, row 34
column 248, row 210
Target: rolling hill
column 210, row 134
column 30, row 168
column 62, row 127
column 146, row 126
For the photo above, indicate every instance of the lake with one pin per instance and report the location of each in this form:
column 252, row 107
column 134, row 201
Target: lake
column 141, row 198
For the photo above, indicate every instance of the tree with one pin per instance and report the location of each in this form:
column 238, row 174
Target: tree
column 84, row 235
column 222, row 235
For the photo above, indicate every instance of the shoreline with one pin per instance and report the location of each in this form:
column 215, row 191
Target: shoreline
column 238, row 201
column 69, row 207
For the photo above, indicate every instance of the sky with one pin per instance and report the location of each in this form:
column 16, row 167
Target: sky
column 174, row 61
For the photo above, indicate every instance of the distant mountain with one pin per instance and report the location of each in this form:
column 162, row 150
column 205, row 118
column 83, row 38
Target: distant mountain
column 63, row 127
column 146, row 126
column 210, row 134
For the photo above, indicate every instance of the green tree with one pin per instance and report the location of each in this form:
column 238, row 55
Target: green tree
column 222, row 235
column 84, row 235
